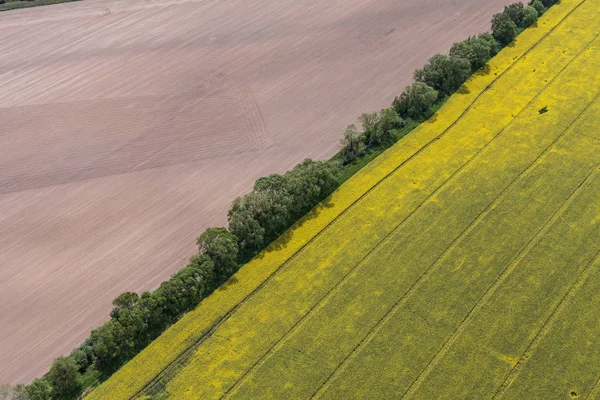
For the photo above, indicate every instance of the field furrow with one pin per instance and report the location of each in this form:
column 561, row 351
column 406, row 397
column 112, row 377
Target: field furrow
column 525, row 301
column 406, row 339
column 566, row 350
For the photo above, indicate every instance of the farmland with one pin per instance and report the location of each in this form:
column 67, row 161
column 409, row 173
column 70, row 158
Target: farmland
column 129, row 126
column 462, row 263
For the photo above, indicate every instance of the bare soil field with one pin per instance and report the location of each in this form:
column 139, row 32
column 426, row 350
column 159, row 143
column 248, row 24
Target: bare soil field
column 127, row 127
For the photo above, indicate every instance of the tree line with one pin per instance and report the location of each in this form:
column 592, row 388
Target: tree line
column 438, row 79
column 258, row 218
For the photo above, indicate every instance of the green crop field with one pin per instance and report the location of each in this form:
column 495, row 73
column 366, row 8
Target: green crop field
column 463, row 263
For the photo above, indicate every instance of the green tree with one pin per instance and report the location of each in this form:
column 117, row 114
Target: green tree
column 388, row 121
column 108, row 340
column 244, row 222
column 222, row 247
column 307, row 184
column 477, row 50
column 530, row 16
column 119, row 340
column 504, row 29
column 174, row 304
column 369, row 123
column 353, row 144
column 125, row 301
column 154, row 303
column 539, row 7
column 276, row 202
column 84, row 355
column 204, row 272
column 256, row 217
column 489, row 38
column 64, row 379
column 185, row 289
column 269, row 182
column 39, row 389
column 134, row 331
column 444, row 73
column 515, row 13
column 416, row 101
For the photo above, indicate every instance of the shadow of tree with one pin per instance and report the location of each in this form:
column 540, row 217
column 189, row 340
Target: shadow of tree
column 483, row 71
column 286, row 236
column 230, row 282
column 463, row 89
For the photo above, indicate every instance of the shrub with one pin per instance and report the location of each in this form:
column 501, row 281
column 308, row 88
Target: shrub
column 18, row 392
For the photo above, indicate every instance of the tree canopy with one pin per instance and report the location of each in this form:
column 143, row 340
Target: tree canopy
column 504, row 28
column 444, row 73
column 416, row 101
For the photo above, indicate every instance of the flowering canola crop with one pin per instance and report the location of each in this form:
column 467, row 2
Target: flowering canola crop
column 457, row 264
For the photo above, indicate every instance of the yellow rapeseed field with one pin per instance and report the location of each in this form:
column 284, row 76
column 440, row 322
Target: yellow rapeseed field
column 462, row 263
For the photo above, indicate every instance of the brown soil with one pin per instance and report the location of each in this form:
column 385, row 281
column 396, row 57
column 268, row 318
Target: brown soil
column 129, row 126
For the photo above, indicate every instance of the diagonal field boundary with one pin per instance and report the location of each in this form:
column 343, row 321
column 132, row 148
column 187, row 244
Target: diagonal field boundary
column 324, row 298
column 164, row 371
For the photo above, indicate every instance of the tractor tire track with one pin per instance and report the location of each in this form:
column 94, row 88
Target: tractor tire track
column 562, row 304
